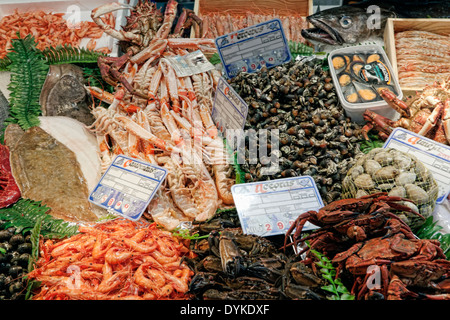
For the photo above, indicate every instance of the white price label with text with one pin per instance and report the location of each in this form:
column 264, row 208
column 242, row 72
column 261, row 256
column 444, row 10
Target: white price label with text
column 434, row 155
column 229, row 109
column 268, row 208
column 128, row 186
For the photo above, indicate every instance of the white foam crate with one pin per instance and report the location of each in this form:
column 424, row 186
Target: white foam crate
column 71, row 8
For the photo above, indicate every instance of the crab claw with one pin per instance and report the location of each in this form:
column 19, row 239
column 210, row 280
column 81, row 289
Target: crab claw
column 98, row 12
column 398, row 105
column 380, row 123
column 432, row 119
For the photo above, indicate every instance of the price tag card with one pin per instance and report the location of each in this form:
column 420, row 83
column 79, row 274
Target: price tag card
column 269, row 208
column 128, row 186
column 251, row 48
column 189, row 64
column 434, row 155
column 229, row 110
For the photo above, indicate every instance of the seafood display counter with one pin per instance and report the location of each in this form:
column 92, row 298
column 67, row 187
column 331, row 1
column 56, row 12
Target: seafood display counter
column 134, row 166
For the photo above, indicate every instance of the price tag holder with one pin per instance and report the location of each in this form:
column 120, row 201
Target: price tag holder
column 269, row 208
column 251, row 48
column 128, row 186
column 229, row 109
column 434, row 155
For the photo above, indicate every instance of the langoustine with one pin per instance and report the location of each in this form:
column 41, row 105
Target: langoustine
column 114, row 260
column 162, row 118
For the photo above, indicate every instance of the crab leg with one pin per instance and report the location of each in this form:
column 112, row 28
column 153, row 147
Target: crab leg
column 446, row 119
column 432, row 119
column 109, row 98
column 97, row 13
column 169, row 17
column 399, row 105
column 152, row 52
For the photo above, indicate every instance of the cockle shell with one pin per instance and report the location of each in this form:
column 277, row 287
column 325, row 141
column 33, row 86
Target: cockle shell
column 364, row 181
column 405, row 178
column 385, row 174
column 384, row 158
column 371, row 166
column 398, row 191
column 416, row 194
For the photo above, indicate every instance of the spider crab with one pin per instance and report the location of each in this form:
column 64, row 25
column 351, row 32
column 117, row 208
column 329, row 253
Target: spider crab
column 145, row 37
column 345, row 221
column 428, row 114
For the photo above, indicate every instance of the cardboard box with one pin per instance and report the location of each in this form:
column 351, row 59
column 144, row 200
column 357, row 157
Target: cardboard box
column 393, row 25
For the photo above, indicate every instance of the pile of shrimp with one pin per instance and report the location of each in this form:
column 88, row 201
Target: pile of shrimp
column 49, row 30
column 422, row 57
column 114, row 260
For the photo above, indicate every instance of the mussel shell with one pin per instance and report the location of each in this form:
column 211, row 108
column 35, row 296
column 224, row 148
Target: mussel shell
column 374, row 57
column 350, row 94
column 354, row 69
column 365, row 92
column 339, row 62
column 344, row 79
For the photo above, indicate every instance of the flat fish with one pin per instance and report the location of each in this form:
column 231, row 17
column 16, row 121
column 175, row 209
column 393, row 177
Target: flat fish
column 64, row 94
column 46, row 170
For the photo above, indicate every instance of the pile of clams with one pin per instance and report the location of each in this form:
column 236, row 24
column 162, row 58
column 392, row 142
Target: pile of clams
column 398, row 173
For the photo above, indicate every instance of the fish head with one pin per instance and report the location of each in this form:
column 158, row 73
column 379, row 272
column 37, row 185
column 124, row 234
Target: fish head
column 346, row 24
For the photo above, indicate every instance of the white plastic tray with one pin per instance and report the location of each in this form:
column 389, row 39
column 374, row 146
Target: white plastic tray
column 355, row 110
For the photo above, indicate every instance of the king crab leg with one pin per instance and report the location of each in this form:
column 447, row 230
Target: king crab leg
column 97, row 13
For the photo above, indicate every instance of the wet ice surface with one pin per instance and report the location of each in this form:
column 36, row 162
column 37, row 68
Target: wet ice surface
column 442, row 215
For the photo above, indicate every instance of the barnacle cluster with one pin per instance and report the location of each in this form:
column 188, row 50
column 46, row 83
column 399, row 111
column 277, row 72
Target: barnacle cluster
column 315, row 137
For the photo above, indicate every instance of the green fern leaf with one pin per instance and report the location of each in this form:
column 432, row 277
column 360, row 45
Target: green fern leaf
column 28, row 73
column 25, row 213
column 69, row 54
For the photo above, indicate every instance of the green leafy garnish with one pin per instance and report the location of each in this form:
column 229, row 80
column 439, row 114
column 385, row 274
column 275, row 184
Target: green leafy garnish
column 186, row 234
column 373, row 142
column 28, row 73
column 431, row 230
column 25, row 213
column 299, row 49
column 328, row 272
column 215, row 59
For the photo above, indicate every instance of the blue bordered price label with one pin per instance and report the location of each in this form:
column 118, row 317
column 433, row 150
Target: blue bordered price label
column 128, row 186
column 251, row 48
column 269, row 208
column 229, row 109
column 434, row 155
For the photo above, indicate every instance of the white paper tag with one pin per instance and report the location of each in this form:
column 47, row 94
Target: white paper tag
column 229, row 109
column 128, row 186
column 434, row 155
column 251, row 48
column 190, row 64
column 269, row 208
